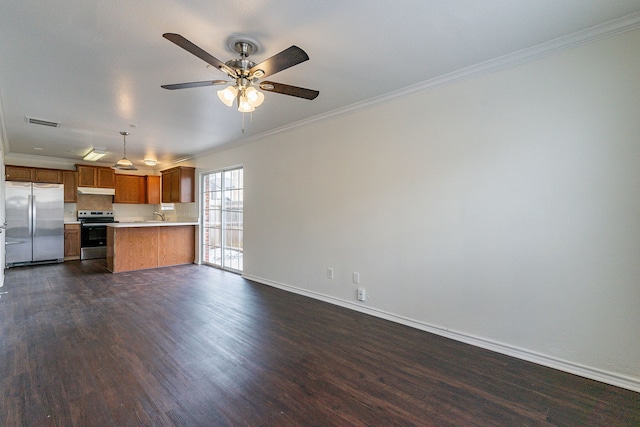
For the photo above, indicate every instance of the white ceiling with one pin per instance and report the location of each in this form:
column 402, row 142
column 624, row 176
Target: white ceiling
column 97, row 66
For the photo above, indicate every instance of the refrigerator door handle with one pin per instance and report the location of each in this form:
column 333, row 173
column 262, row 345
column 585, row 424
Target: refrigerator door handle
column 30, row 213
column 33, row 216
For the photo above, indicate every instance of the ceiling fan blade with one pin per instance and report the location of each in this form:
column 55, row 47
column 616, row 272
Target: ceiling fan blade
column 281, row 61
column 300, row 92
column 195, row 84
column 195, row 50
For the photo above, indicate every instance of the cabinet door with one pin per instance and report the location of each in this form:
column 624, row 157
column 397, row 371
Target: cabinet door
column 187, row 183
column 86, row 176
column 70, row 182
column 174, row 179
column 129, row 189
column 166, row 187
column 106, row 178
column 178, row 185
column 51, row 176
column 176, row 245
column 18, row 173
column 153, row 190
column 71, row 241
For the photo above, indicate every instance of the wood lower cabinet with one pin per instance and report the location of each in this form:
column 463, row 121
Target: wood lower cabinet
column 71, row 242
column 178, row 185
column 176, row 245
column 140, row 248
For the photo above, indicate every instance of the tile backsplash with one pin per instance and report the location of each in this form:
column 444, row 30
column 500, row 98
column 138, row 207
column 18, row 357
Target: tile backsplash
column 127, row 212
column 94, row 202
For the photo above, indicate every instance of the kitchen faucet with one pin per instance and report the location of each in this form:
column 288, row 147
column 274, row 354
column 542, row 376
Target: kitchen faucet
column 161, row 215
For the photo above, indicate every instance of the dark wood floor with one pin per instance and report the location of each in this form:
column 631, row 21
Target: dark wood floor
column 195, row 346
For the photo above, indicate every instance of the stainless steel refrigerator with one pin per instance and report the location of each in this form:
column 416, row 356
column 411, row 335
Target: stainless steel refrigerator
column 35, row 223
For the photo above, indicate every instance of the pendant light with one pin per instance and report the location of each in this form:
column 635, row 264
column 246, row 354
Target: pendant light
column 124, row 163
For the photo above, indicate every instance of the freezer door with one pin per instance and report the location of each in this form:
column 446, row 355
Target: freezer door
column 18, row 210
column 48, row 222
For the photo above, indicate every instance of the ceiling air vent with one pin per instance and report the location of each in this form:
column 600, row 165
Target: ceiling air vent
column 34, row 121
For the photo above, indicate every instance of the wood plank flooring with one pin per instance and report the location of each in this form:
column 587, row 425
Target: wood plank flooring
column 195, row 346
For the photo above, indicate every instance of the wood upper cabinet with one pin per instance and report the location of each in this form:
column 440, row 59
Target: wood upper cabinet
column 19, row 173
column 52, row 176
column 96, row 176
column 106, row 178
column 86, row 176
column 29, row 174
column 137, row 189
column 130, row 189
column 153, row 189
column 178, row 185
column 70, row 181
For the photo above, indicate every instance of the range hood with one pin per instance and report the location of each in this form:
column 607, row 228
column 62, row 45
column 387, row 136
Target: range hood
column 98, row 191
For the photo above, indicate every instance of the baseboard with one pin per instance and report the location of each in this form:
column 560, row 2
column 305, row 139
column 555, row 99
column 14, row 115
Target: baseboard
column 618, row 380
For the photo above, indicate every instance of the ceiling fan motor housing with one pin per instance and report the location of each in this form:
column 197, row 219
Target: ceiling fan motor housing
column 241, row 65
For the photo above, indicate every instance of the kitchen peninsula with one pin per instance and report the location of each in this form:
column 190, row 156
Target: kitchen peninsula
column 149, row 244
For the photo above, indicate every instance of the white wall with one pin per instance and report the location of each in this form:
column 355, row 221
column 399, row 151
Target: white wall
column 503, row 211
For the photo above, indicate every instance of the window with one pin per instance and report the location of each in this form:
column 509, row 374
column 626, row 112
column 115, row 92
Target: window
column 222, row 204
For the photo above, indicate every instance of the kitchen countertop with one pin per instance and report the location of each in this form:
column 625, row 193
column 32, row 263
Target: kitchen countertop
column 150, row 224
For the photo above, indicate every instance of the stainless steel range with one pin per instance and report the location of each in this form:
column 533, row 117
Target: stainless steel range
column 93, row 233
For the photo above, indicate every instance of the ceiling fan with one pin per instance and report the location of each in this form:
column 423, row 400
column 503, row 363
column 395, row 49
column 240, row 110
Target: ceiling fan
column 245, row 73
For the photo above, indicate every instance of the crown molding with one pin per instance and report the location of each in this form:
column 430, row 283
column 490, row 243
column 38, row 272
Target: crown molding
column 589, row 35
column 42, row 159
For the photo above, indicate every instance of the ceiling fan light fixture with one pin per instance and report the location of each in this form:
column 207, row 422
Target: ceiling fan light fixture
column 228, row 95
column 244, row 106
column 124, row 163
column 255, row 98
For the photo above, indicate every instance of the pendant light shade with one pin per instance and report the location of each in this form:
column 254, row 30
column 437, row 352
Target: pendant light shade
column 124, row 163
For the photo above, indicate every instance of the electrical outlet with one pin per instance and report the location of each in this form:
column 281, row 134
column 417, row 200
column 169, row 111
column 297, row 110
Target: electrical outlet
column 362, row 296
column 330, row 273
